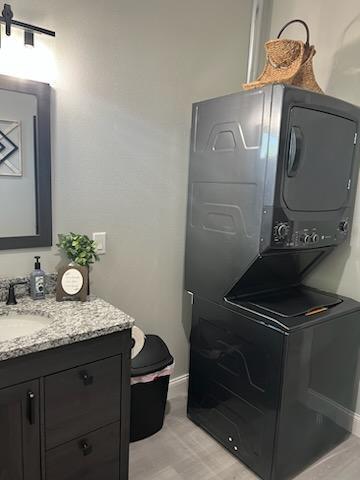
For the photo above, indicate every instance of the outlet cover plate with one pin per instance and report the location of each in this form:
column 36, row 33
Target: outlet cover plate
column 100, row 239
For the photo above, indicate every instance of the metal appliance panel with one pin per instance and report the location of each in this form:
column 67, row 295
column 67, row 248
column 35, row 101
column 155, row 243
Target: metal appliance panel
column 235, row 371
column 309, row 197
column 227, row 171
column 268, row 395
column 320, row 158
column 321, row 378
column 242, row 203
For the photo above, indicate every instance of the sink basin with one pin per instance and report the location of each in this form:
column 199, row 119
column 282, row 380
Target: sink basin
column 13, row 325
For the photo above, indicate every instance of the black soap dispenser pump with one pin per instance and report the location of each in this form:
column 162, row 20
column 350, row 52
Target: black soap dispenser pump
column 37, row 281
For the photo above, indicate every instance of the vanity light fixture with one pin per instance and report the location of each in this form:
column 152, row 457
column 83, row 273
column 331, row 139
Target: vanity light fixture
column 7, row 19
column 28, row 38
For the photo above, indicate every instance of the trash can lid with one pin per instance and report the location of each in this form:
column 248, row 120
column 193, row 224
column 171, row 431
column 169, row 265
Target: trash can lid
column 153, row 357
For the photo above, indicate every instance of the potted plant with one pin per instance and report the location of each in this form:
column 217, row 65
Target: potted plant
column 79, row 249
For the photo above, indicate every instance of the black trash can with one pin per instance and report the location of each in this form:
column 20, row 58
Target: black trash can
column 150, row 374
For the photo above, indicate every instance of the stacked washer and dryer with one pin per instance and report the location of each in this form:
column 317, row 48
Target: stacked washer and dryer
column 274, row 363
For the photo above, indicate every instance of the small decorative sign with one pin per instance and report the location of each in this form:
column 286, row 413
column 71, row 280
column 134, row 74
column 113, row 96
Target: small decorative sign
column 72, row 283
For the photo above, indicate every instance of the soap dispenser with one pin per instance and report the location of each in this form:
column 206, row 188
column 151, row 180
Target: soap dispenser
column 37, row 281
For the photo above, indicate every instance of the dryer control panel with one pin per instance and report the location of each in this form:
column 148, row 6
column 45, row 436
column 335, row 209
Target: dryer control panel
column 288, row 234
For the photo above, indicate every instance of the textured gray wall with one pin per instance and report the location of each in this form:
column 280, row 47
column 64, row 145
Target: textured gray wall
column 126, row 79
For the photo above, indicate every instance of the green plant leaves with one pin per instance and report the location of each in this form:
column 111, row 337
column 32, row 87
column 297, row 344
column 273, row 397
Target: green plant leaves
column 78, row 248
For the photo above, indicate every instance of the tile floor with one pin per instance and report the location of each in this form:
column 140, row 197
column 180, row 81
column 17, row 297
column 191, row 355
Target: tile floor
column 182, row 451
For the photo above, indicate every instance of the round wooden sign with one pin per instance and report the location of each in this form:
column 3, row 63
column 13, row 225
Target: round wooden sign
column 72, row 281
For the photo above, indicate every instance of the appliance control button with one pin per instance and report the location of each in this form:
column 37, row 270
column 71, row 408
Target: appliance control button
column 306, row 238
column 344, row 226
column 282, row 230
column 315, row 238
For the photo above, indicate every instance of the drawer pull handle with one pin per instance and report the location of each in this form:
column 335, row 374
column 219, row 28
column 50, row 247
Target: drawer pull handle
column 31, row 407
column 85, row 447
column 86, row 378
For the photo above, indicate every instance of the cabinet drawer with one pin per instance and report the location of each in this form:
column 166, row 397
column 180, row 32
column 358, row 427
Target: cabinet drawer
column 81, row 400
column 92, row 457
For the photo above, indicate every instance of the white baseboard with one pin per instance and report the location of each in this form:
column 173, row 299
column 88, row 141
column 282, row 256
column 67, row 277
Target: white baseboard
column 356, row 425
column 340, row 415
column 178, row 387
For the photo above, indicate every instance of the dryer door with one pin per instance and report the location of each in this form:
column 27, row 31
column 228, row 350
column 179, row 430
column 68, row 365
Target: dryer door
column 318, row 160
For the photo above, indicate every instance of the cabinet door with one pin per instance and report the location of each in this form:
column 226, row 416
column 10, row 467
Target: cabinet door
column 19, row 432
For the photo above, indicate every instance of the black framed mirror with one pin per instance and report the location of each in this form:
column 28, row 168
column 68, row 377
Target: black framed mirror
column 25, row 164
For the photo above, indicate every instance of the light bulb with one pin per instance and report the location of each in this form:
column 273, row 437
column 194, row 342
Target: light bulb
column 28, row 38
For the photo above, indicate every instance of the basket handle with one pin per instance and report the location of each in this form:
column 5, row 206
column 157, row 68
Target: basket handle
column 297, row 20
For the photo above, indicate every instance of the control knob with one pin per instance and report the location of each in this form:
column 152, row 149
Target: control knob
column 306, row 238
column 315, row 238
column 281, row 230
column 344, row 226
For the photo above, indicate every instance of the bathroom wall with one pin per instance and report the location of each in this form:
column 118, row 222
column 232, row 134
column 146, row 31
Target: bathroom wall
column 335, row 31
column 126, row 73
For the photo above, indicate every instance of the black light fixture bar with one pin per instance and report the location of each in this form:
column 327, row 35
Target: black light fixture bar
column 33, row 28
column 8, row 21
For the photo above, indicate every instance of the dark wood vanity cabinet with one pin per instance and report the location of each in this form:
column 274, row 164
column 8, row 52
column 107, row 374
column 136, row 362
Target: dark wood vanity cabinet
column 20, row 432
column 64, row 412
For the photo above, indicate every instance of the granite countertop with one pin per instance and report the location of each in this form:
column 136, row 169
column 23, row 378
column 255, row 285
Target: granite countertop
column 70, row 322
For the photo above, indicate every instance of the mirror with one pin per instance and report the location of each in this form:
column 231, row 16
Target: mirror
column 25, row 164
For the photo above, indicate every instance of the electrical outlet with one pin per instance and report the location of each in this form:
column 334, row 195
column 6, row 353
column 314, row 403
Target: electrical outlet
column 100, row 239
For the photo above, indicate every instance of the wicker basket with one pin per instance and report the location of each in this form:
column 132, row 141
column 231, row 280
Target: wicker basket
column 288, row 61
